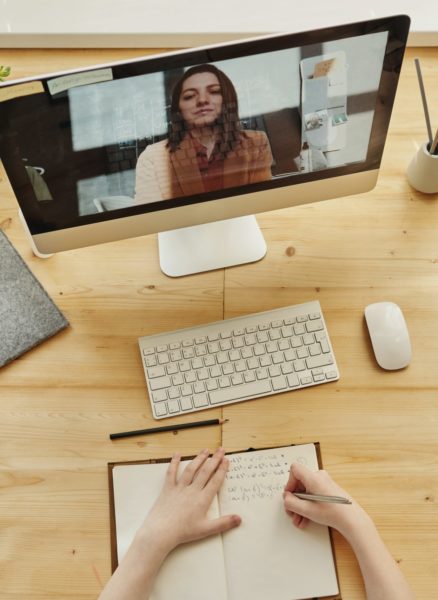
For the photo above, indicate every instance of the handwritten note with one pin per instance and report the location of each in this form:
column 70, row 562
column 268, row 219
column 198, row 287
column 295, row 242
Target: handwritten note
column 257, row 476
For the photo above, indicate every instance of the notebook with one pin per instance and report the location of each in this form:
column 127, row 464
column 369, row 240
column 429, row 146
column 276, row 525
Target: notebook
column 265, row 557
column 27, row 315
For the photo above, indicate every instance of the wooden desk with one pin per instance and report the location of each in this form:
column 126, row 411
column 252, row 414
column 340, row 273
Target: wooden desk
column 378, row 430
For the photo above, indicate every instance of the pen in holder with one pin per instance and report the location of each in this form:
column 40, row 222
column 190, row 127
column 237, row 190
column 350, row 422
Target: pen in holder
column 422, row 171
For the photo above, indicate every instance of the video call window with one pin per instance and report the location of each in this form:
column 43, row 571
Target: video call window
column 93, row 142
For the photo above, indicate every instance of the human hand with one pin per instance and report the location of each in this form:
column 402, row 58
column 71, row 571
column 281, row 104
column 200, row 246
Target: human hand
column 179, row 514
column 343, row 517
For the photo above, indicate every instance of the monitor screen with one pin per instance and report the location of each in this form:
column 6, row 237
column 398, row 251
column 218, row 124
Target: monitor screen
column 201, row 135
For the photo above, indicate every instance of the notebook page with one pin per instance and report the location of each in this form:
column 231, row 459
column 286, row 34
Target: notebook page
column 267, row 557
column 192, row 571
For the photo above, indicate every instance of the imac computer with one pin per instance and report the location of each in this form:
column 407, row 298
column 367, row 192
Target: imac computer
column 191, row 144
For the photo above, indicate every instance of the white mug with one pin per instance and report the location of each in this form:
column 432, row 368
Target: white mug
column 422, row 171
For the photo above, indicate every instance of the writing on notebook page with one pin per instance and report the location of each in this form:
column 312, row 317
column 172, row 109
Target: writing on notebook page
column 254, row 476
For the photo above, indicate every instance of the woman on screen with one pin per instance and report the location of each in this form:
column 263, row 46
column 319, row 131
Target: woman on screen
column 206, row 148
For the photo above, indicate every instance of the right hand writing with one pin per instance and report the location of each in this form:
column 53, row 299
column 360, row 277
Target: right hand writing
column 343, row 517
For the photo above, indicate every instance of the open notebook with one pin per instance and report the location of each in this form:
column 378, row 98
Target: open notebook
column 266, row 557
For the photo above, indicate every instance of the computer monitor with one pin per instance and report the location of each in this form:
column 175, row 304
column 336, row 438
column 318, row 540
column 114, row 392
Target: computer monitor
column 191, row 144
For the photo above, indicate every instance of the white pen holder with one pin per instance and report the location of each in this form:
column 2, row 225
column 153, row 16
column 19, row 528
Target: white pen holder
column 422, row 171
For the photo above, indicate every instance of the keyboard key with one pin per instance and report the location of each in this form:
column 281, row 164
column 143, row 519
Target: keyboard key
column 252, row 363
column 320, row 377
column 174, row 393
column 271, row 347
column 211, row 385
column 159, row 396
column 173, row 406
column 291, row 355
column 160, row 383
column 161, row 409
column 249, row 376
column 302, row 352
column 197, row 363
column 262, row 373
column 246, row 352
column 314, row 349
column 308, row 339
column 199, row 387
column 314, row 326
column 236, row 379
column 274, row 371
column 324, row 345
column 200, row 400
column 234, row 355
column 209, row 360
column 215, row 371
column 156, row 372
column 277, row 357
column 279, row 383
column 186, row 403
column 202, row 374
column 224, row 382
column 319, row 361
column 172, row 369
column 178, row 379
column 239, row 392
column 227, row 369
column 300, row 365
column 283, row 345
column 293, row 380
column 265, row 360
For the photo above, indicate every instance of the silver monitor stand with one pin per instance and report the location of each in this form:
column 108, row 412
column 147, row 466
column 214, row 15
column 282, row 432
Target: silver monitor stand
column 211, row 246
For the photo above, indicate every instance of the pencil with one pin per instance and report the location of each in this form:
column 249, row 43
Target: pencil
column 123, row 434
column 423, row 98
column 434, row 147
column 322, row 498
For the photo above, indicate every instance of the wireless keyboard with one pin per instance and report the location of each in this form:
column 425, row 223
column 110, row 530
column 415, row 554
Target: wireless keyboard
column 237, row 359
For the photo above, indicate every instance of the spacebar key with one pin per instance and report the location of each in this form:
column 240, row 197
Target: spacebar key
column 240, row 392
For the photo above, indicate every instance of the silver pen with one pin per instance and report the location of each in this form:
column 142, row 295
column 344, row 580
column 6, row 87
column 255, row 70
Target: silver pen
column 322, row 498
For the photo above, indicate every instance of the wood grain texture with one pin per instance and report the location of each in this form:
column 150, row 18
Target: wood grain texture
column 378, row 431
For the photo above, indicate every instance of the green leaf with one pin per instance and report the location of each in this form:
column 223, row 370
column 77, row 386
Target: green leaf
column 4, row 72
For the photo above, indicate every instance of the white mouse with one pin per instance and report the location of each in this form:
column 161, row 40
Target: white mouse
column 389, row 335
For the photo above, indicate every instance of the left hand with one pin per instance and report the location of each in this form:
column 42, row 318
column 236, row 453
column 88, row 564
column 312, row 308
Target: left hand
column 179, row 514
